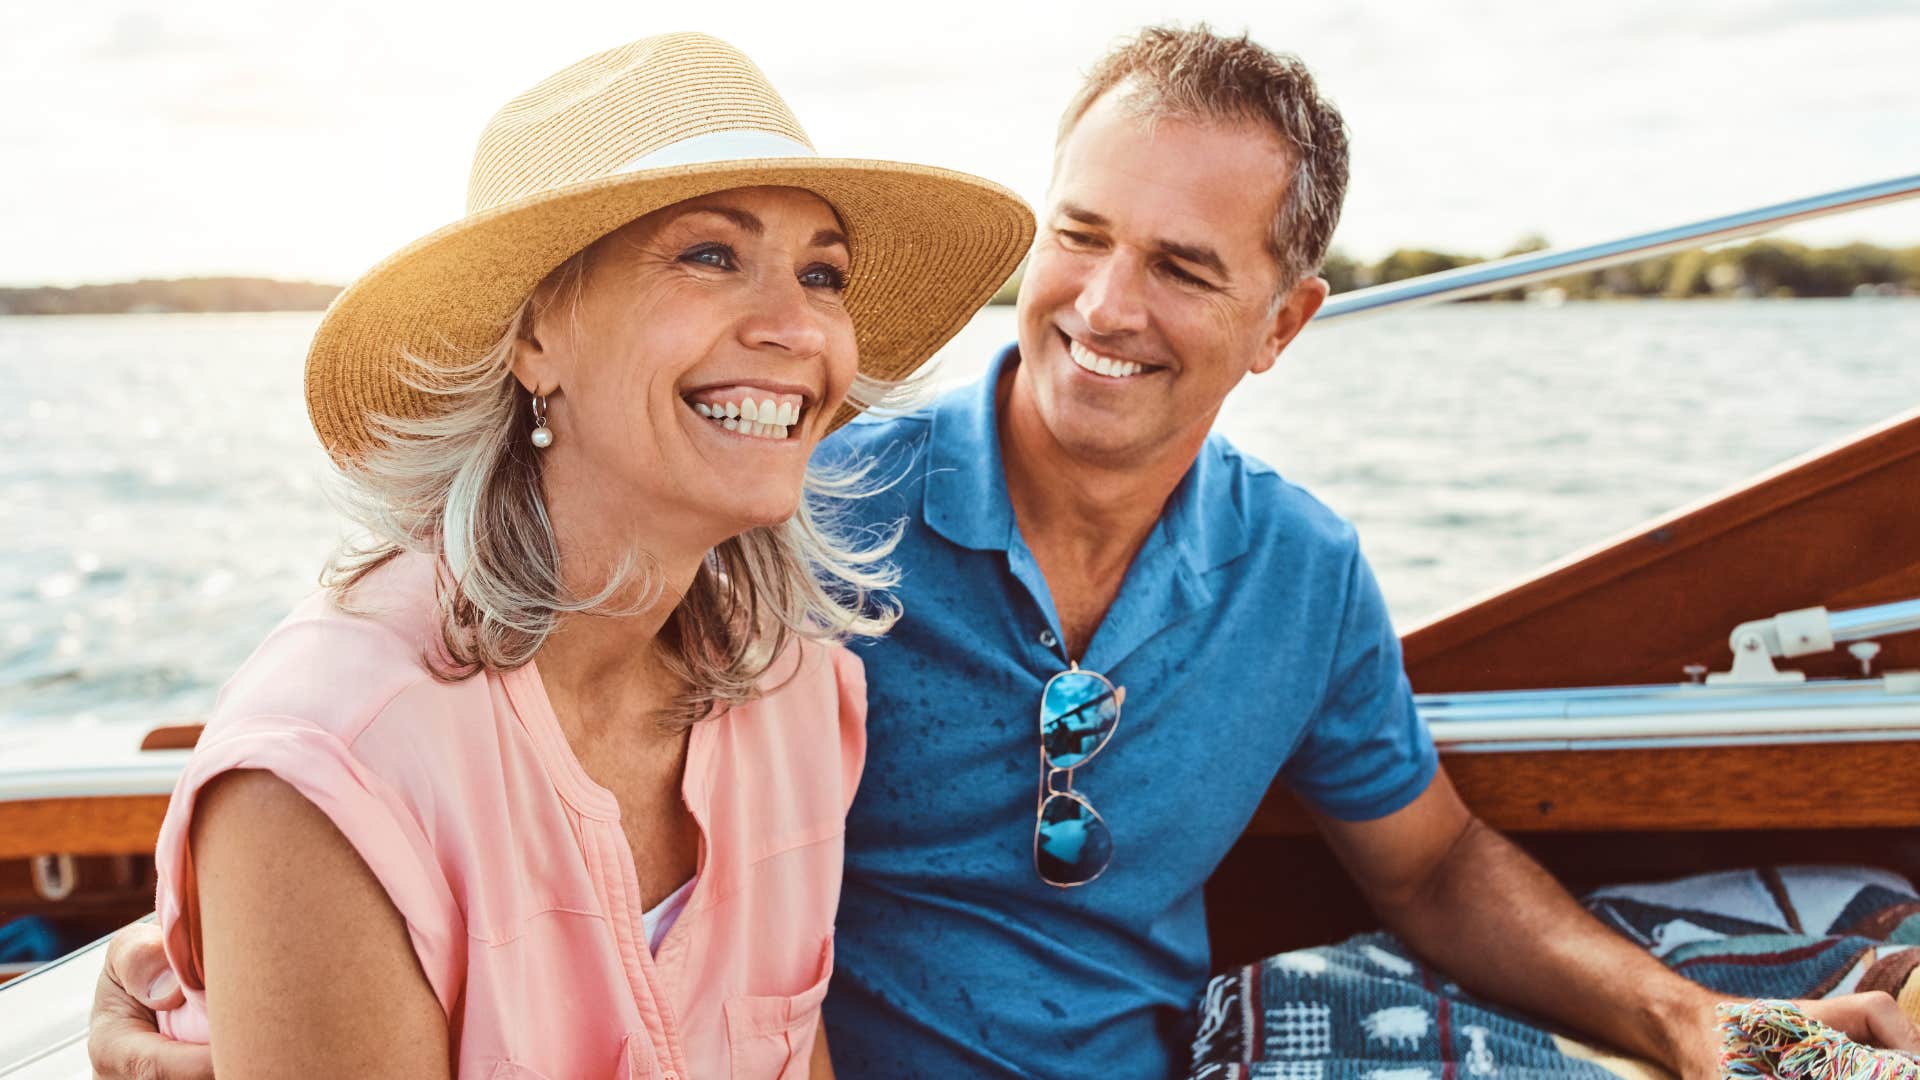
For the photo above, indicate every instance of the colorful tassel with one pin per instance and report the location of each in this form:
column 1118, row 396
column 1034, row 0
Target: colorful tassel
column 1768, row 1039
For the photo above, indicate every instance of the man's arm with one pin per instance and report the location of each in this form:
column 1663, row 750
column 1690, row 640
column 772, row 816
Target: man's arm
column 1480, row 909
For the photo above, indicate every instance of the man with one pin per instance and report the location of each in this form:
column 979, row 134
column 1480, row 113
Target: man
column 1016, row 911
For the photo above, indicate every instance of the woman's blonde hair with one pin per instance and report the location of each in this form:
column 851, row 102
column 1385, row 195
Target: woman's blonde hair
column 464, row 484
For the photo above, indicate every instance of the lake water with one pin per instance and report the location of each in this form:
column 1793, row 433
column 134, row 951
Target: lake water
column 161, row 498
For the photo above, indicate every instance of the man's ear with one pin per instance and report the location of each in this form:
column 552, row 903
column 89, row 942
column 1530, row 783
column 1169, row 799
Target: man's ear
column 1291, row 313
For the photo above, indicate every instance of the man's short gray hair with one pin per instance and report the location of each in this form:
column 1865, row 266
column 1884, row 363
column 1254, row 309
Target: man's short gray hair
column 1199, row 74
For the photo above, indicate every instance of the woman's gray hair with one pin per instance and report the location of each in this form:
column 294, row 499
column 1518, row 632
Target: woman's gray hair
column 464, row 484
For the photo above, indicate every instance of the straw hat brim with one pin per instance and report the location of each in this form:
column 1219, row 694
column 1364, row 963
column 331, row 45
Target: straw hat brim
column 930, row 246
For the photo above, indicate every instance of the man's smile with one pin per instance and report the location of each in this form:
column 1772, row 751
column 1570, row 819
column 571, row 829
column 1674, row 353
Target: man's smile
column 1103, row 364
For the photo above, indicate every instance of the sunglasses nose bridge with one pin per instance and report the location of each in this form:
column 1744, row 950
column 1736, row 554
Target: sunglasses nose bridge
column 1053, row 771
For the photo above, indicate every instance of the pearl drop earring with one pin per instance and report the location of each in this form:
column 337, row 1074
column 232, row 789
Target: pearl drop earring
column 542, row 434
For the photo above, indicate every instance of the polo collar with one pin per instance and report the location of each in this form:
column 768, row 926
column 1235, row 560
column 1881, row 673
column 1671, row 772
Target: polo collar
column 966, row 491
column 1206, row 515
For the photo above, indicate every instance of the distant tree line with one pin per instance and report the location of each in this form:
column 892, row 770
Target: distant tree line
column 184, row 294
column 1757, row 268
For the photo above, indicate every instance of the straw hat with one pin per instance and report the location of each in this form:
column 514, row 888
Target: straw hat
column 617, row 136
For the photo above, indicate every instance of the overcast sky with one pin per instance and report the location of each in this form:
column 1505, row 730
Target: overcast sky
column 308, row 140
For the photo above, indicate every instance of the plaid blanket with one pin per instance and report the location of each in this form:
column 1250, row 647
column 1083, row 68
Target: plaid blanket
column 1367, row 1009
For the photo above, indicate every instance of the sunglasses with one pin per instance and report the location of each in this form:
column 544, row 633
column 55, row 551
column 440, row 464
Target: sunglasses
column 1078, row 712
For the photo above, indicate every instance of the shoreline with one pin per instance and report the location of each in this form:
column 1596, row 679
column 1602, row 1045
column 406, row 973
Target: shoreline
column 1496, row 301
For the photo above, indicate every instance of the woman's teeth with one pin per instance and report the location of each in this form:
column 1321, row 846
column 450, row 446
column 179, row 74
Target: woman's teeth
column 1102, row 365
column 765, row 418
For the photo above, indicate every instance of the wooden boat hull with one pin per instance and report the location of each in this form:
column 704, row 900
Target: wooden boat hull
column 1839, row 528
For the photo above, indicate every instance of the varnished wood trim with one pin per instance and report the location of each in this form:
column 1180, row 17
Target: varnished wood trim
column 1821, row 786
column 172, row 737
column 112, row 825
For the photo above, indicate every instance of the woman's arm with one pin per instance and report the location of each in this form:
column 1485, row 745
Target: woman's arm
column 821, row 1066
column 309, row 970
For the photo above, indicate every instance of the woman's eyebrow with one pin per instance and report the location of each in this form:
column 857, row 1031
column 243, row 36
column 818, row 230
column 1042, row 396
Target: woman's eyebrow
column 751, row 224
column 747, row 221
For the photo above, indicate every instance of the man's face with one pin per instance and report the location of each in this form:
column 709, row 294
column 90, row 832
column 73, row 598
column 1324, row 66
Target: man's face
column 1151, row 292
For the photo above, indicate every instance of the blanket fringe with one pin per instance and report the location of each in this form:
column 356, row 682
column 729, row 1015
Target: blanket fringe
column 1763, row 1040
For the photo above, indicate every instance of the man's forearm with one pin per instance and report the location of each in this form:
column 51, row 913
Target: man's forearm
column 1501, row 926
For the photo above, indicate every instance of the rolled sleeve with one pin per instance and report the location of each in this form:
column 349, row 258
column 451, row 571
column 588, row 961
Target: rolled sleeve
column 1366, row 753
column 359, row 802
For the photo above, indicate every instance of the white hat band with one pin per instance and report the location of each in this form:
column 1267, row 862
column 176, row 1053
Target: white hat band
column 739, row 144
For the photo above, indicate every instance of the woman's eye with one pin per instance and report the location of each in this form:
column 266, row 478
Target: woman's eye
column 719, row 256
column 824, row 276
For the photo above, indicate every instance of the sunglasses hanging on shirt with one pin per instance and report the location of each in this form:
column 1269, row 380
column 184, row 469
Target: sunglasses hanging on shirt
column 1078, row 713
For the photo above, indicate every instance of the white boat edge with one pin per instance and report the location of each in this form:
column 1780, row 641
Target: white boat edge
column 54, row 764
column 45, row 1034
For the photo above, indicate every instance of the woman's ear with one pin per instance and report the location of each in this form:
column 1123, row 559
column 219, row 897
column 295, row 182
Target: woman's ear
column 541, row 346
column 535, row 364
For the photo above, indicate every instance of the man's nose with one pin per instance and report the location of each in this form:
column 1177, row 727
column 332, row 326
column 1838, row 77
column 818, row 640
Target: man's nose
column 1112, row 300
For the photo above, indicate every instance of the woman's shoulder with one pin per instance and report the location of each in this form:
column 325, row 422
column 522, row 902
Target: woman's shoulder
column 812, row 719
column 340, row 666
column 816, row 674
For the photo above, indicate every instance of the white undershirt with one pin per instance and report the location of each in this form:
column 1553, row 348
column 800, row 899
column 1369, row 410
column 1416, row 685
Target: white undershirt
column 657, row 922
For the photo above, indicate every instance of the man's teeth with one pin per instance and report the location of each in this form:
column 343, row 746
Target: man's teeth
column 766, row 418
column 1102, row 365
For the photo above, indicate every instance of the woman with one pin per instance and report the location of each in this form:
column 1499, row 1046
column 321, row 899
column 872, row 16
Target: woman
column 551, row 779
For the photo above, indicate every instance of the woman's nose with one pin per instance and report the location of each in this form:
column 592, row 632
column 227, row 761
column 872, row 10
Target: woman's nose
column 785, row 318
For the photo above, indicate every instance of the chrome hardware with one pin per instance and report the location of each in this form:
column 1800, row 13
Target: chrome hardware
column 1808, row 631
column 1865, row 651
column 54, row 876
column 1876, row 621
column 1753, row 654
column 1480, row 279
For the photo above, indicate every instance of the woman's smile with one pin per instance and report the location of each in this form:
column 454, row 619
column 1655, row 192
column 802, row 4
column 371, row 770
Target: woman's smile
column 758, row 411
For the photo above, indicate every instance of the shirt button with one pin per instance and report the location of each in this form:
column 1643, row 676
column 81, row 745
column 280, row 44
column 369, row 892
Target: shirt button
column 1047, row 639
column 669, row 1075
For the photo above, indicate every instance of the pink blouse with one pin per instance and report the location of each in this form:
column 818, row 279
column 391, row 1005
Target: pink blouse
column 508, row 862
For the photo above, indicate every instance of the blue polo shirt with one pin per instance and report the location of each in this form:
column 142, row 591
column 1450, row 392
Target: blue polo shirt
column 1253, row 644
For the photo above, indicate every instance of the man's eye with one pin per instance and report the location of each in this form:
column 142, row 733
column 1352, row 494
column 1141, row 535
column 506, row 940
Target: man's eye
column 824, row 276
column 1077, row 239
column 719, row 256
column 1173, row 270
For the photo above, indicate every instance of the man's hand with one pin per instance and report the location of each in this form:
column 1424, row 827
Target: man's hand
column 123, row 1039
column 1871, row 1018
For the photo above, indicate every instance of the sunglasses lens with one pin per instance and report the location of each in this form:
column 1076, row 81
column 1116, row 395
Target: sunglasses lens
column 1071, row 845
column 1077, row 713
